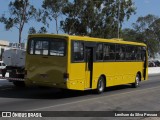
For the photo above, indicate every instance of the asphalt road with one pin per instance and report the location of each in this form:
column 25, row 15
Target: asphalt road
column 119, row 98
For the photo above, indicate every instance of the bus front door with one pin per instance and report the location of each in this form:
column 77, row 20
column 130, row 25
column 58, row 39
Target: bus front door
column 89, row 67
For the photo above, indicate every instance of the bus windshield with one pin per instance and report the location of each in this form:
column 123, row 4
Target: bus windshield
column 47, row 46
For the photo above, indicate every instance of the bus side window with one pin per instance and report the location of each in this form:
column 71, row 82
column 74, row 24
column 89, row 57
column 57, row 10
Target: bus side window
column 143, row 53
column 112, row 52
column 130, row 53
column 138, row 53
column 106, row 51
column 120, row 52
column 109, row 52
column 123, row 52
column 78, row 51
column 99, row 52
column 117, row 52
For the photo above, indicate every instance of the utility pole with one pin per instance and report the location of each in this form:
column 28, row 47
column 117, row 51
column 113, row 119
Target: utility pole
column 118, row 18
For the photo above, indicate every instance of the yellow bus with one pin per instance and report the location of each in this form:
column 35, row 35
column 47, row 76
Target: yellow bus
column 84, row 63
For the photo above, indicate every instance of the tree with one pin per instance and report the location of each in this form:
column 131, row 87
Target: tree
column 72, row 24
column 32, row 30
column 145, row 28
column 115, row 12
column 96, row 18
column 129, row 34
column 42, row 30
column 20, row 13
column 52, row 10
column 155, row 28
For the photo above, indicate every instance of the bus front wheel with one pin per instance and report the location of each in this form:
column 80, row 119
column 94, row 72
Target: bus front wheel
column 100, row 85
column 137, row 81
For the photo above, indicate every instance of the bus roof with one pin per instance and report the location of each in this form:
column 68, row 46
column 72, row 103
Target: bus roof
column 87, row 38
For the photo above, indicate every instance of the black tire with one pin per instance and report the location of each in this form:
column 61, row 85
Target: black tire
column 19, row 84
column 100, row 85
column 137, row 81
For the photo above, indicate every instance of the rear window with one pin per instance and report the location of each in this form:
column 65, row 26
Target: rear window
column 47, row 46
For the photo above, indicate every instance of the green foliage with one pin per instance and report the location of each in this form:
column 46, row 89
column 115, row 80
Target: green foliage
column 72, row 24
column 52, row 9
column 97, row 18
column 145, row 27
column 42, row 30
column 146, row 30
column 129, row 34
column 32, row 30
column 20, row 13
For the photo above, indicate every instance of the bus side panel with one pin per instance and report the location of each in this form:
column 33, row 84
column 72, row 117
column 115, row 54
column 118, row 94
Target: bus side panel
column 76, row 72
column 77, row 76
column 118, row 73
column 97, row 72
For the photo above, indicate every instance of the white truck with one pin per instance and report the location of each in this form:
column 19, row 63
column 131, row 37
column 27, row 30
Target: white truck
column 15, row 65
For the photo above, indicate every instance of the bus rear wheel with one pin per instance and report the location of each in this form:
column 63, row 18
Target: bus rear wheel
column 100, row 85
column 137, row 81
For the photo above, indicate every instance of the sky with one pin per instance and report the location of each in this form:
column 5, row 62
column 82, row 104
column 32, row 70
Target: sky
column 143, row 8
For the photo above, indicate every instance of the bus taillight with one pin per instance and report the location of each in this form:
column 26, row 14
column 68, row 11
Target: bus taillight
column 66, row 76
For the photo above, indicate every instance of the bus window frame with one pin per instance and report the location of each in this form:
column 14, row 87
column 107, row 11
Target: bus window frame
column 102, row 52
column 49, row 39
column 110, row 60
column 136, row 60
column 72, row 51
column 35, row 49
column 125, row 60
column 65, row 47
column 119, row 60
column 103, row 44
